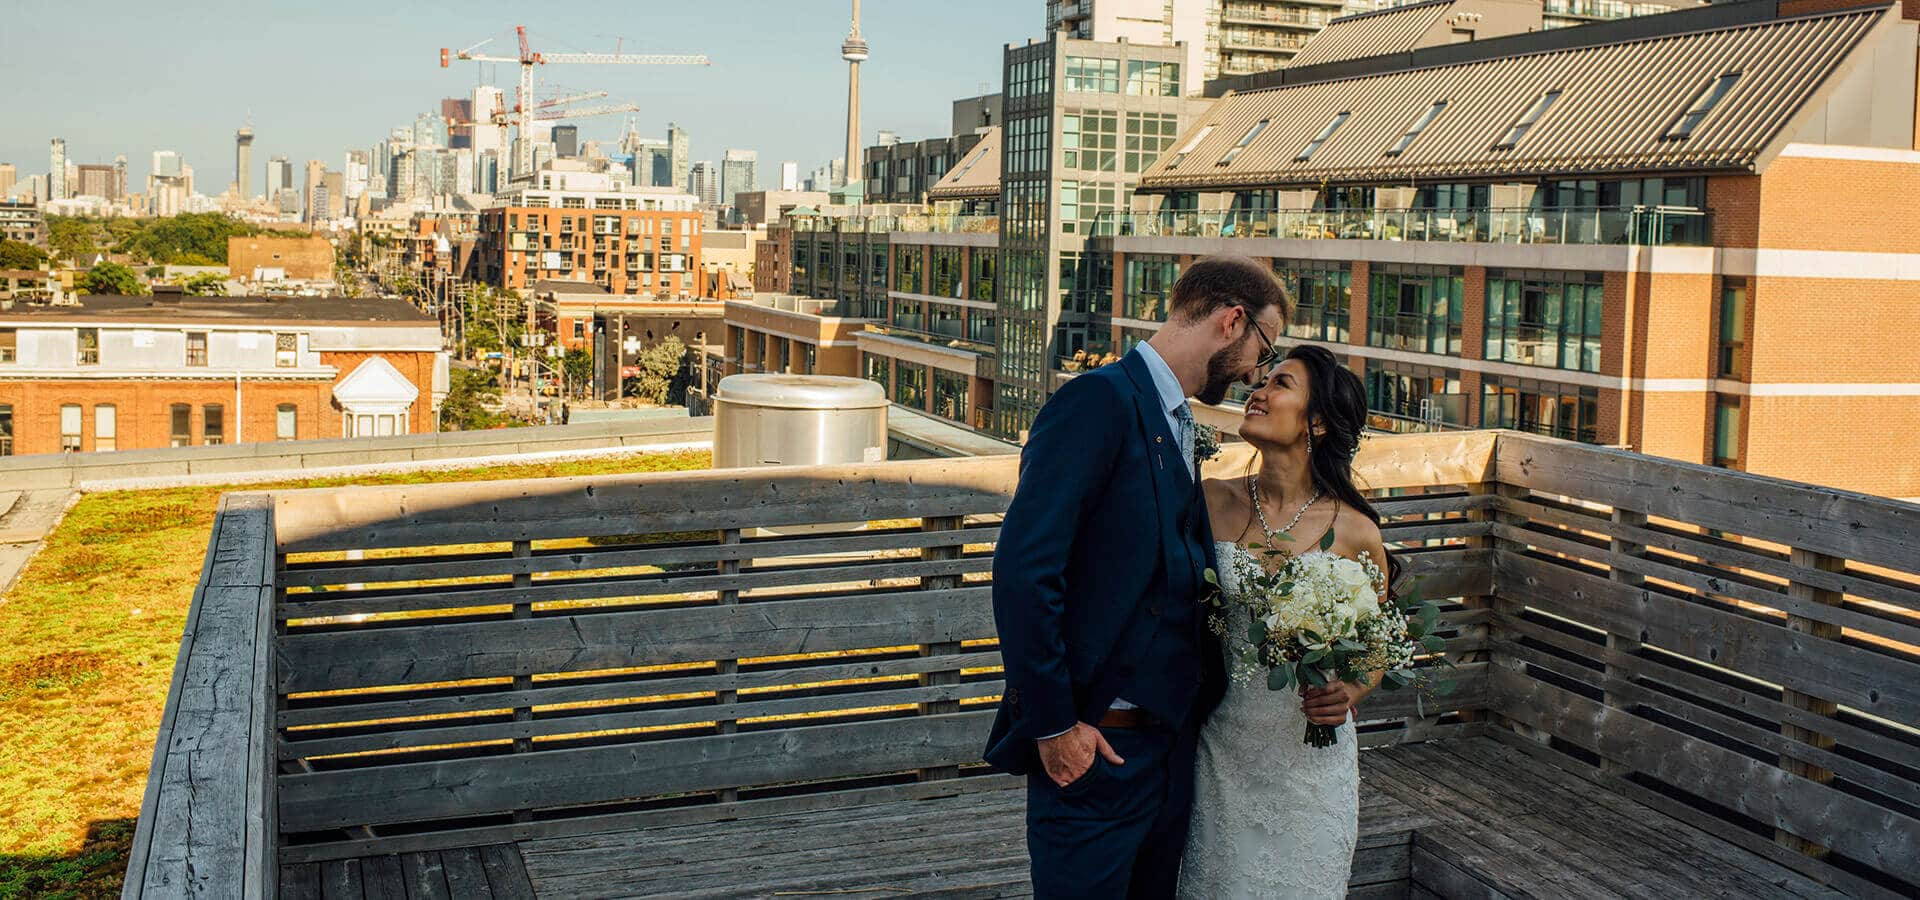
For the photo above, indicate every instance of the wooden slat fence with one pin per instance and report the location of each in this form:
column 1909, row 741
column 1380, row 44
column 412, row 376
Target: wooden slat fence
column 1740, row 652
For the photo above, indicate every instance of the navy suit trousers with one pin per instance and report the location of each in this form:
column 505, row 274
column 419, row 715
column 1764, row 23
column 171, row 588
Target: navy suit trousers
column 1118, row 831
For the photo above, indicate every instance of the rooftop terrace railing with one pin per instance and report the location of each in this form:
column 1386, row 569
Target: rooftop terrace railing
column 1655, row 226
column 947, row 224
column 517, row 659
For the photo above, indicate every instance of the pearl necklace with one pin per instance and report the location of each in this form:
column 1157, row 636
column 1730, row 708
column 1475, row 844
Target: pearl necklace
column 1253, row 489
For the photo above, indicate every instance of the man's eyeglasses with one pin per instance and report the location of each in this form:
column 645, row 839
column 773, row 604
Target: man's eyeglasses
column 1270, row 356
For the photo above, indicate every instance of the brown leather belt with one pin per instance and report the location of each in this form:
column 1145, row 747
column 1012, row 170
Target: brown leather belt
column 1128, row 718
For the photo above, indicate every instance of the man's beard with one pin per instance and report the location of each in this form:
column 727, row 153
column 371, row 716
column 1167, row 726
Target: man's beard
column 1221, row 375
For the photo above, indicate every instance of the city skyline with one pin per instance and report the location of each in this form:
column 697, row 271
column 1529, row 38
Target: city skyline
column 746, row 99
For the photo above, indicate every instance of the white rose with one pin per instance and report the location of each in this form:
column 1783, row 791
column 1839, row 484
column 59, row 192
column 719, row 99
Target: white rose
column 1351, row 574
column 1364, row 599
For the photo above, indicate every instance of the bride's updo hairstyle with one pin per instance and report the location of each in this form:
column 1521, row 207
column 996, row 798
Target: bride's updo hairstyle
column 1337, row 398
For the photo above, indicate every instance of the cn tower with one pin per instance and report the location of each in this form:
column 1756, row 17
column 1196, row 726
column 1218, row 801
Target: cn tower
column 854, row 51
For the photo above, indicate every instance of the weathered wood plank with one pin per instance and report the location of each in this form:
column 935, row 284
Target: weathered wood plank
column 1875, row 835
column 825, row 805
column 1719, row 553
column 1630, row 694
column 333, row 661
column 1875, row 682
column 607, row 505
column 577, row 724
column 426, row 878
column 1417, row 504
column 1649, row 667
column 300, row 881
column 340, row 880
column 466, row 876
column 1765, row 857
column 639, row 688
column 341, row 603
column 202, row 828
column 382, row 878
column 1839, row 523
column 465, row 787
column 1437, row 876
column 506, row 873
column 1711, row 581
column 468, row 565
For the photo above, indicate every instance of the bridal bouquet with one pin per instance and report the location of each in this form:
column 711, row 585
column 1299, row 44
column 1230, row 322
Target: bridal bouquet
column 1318, row 617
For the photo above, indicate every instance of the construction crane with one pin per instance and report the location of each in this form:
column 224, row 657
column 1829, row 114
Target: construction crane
column 524, row 103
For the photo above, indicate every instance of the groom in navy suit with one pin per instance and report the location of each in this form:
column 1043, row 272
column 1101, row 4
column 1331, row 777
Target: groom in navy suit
column 1097, row 583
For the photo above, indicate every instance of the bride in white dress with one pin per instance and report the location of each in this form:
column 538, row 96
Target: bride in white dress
column 1272, row 816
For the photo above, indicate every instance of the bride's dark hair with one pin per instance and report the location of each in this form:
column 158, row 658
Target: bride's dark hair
column 1338, row 400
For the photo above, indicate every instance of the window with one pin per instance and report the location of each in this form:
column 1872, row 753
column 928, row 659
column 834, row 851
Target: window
column 286, row 350
column 945, row 278
column 106, row 427
column 1534, row 112
column 1093, row 76
column 1726, row 431
column 196, row 348
column 1558, row 410
column 180, row 417
column 1413, row 398
column 875, row 370
column 213, row 424
column 1087, row 141
column 950, row 395
column 6, row 429
column 579, row 329
column 1187, row 147
column 286, row 422
column 1416, row 308
column 910, row 385
column 70, row 428
column 980, row 280
column 1419, row 125
column 89, row 344
column 1703, row 103
column 809, row 358
column 1545, row 318
column 1322, row 296
column 9, row 345
column 1153, row 79
column 906, row 269
column 1150, row 279
column 1148, row 135
column 1307, row 152
column 1245, row 139
column 1733, row 335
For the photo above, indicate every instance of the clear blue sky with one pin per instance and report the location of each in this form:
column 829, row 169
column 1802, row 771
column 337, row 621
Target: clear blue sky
column 321, row 77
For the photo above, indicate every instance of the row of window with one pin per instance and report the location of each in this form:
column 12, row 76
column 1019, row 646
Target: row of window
column 1680, row 128
column 907, row 384
column 1144, row 78
column 286, row 348
column 180, row 418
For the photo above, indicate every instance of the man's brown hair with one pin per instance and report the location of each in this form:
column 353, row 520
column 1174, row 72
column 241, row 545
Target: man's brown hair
column 1221, row 281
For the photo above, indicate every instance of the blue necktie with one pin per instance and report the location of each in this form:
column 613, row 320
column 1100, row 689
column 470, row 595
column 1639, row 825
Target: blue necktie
column 1184, row 418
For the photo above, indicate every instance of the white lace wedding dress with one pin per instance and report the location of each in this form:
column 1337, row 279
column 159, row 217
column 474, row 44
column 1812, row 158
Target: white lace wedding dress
column 1272, row 817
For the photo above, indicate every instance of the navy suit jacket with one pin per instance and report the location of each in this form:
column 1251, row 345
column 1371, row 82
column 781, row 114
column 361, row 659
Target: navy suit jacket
column 1105, row 537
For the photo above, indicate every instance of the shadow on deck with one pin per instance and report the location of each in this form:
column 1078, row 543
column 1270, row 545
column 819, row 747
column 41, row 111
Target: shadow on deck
column 1673, row 680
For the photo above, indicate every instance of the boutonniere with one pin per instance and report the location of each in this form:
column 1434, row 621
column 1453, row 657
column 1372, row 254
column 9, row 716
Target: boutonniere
column 1206, row 443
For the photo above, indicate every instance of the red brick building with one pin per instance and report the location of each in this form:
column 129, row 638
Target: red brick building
column 126, row 373
column 586, row 227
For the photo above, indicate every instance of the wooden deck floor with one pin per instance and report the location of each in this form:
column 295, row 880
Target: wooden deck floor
column 1468, row 817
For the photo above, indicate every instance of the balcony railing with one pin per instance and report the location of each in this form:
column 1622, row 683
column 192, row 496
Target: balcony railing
column 781, row 656
column 947, row 224
column 1654, row 225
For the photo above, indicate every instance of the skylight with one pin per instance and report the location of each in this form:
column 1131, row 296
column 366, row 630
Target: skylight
column 1419, row 125
column 1321, row 138
column 1245, row 139
column 1187, row 148
column 1703, row 103
column 1520, row 128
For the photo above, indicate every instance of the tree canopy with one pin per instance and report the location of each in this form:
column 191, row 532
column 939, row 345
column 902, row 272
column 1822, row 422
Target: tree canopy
column 111, row 278
column 20, row 255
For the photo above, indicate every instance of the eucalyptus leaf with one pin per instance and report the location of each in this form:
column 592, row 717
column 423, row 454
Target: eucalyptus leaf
column 1434, row 643
column 1350, row 646
column 1280, row 678
column 1313, row 675
column 1256, row 632
column 1314, row 657
column 1211, row 577
column 1326, row 540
